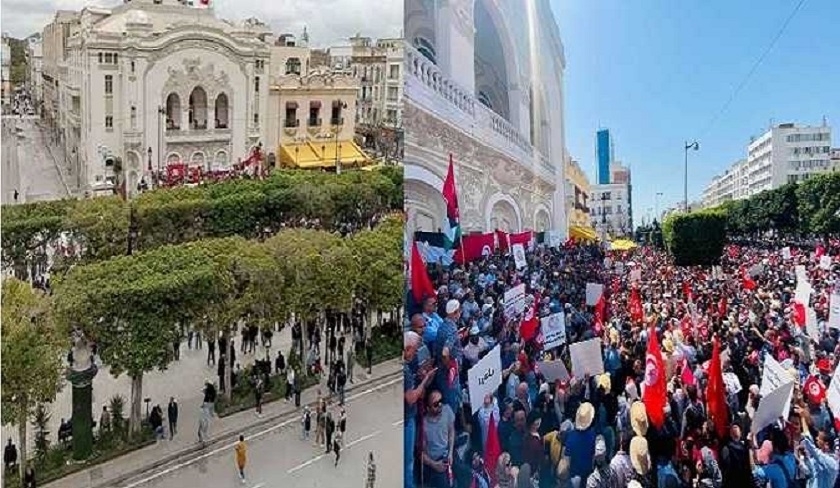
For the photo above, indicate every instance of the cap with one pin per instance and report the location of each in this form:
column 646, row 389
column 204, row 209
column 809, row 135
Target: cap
column 452, row 306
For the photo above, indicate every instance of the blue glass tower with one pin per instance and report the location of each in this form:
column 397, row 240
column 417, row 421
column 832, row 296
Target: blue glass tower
column 604, row 155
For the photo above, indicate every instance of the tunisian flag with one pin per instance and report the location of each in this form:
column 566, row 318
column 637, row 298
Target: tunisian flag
column 530, row 325
column 716, row 393
column 689, row 297
column 502, row 237
column 492, row 449
column 421, row 285
column 636, row 313
column 475, row 246
column 799, row 314
column 749, row 283
column 653, row 395
column 523, row 238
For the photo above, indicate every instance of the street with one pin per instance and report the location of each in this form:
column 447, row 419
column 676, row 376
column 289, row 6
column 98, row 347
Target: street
column 278, row 457
column 27, row 163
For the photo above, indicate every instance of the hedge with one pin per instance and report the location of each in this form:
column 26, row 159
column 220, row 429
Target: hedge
column 695, row 238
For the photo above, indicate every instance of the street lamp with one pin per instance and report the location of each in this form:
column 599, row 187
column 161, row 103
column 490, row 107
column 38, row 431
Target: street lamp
column 695, row 146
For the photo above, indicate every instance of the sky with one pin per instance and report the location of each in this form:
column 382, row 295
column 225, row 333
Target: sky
column 329, row 22
column 657, row 74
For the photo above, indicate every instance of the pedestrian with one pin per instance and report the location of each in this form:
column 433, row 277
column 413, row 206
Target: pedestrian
column 290, row 383
column 337, row 446
column 156, row 421
column 258, row 394
column 206, row 410
column 369, row 353
column 29, row 477
column 16, row 195
column 351, row 362
column 211, row 351
column 241, row 451
column 342, row 421
column 279, row 363
column 319, row 420
column 306, row 421
column 190, row 336
column 341, row 382
column 104, row 420
column 297, row 392
column 371, row 471
column 330, row 430
column 10, row 455
column 172, row 416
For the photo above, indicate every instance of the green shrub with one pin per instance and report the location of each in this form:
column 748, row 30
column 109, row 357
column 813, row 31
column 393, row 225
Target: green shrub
column 695, row 238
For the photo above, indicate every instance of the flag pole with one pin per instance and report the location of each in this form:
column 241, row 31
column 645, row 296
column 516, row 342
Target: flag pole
column 460, row 229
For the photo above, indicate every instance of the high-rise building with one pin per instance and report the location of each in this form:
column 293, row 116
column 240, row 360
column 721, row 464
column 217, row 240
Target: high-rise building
column 604, row 151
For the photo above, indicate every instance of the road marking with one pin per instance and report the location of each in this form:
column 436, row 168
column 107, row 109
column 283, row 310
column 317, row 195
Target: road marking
column 398, row 422
column 230, row 446
column 318, row 458
column 258, row 485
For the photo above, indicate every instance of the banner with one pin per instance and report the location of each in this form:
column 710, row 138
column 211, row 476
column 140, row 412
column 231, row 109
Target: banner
column 786, row 253
column 515, row 301
column 553, row 370
column 802, row 294
column 811, row 324
column 593, row 293
column 832, row 397
column 553, row 238
column 772, row 407
column 586, row 358
column 519, row 256
column 801, row 273
column 485, row 377
column 733, row 384
column 553, row 330
column 834, row 311
column 825, row 262
column 773, row 378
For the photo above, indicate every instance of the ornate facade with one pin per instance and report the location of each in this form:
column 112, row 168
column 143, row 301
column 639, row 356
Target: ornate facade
column 500, row 116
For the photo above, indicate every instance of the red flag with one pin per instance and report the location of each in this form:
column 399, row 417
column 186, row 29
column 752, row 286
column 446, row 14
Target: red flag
column 687, row 376
column 687, row 292
column 453, row 215
column 600, row 311
column 636, row 312
column 474, row 247
column 523, row 238
column 799, row 314
column 492, row 449
column 819, row 251
column 503, row 243
column 716, row 393
column 749, row 283
column 653, row 395
column 421, row 285
column 722, row 306
column 530, row 326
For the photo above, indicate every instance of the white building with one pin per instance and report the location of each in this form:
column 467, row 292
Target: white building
column 484, row 84
column 35, row 81
column 155, row 82
column 6, row 58
column 610, row 209
column 785, row 153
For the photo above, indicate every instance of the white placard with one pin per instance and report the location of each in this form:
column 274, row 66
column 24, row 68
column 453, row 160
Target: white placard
column 834, row 311
column 802, row 294
column 519, row 256
column 586, row 358
column 515, row 301
column 825, row 262
column 772, row 407
column 801, row 273
column 553, row 329
column 811, row 324
column 619, row 267
column 553, row 370
column 485, row 377
column 833, row 394
column 773, row 378
column 635, row 275
column 786, row 253
column 733, row 384
column 593, row 293
column 554, row 238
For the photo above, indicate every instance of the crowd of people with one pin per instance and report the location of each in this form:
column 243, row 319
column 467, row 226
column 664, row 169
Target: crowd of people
column 693, row 327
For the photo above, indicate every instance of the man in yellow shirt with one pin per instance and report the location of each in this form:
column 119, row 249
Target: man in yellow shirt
column 241, row 451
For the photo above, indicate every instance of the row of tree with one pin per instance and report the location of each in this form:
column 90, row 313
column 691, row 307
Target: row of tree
column 98, row 228
column 695, row 238
column 135, row 306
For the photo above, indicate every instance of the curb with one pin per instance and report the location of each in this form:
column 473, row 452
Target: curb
column 225, row 436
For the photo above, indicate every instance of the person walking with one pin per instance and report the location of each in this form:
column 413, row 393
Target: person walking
column 211, row 351
column 306, row 421
column 351, row 362
column 337, row 446
column 206, row 410
column 10, row 456
column 280, row 363
column 330, row 430
column 241, row 451
column 319, row 420
column 342, row 421
column 290, row 383
column 172, row 416
column 341, row 383
column 258, row 394
column 371, row 471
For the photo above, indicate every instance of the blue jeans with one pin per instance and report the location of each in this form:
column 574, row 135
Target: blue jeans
column 409, row 432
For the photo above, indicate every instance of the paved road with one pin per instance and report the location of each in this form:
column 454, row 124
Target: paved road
column 28, row 164
column 278, row 457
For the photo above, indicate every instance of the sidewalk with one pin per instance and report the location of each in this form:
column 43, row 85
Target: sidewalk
column 113, row 473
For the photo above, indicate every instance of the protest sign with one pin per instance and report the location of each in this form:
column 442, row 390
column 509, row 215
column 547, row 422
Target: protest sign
column 801, row 273
column 773, row 378
column 833, row 395
column 553, row 370
column 485, row 377
column 586, row 358
column 825, row 262
column 554, row 238
column 772, row 407
column 802, row 294
column 519, row 256
column 593, row 293
column 786, row 253
column 619, row 267
column 733, row 384
column 811, row 324
column 515, row 301
column 834, row 311
column 635, row 275
column 553, row 330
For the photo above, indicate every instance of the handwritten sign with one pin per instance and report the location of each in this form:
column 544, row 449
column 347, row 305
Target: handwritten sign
column 485, row 377
column 593, row 293
column 825, row 262
column 811, row 324
column 553, row 370
column 833, row 394
column 553, row 329
column 586, row 358
column 773, row 378
column 772, row 407
column 834, row 311
column 515, row 301
column 519, row 256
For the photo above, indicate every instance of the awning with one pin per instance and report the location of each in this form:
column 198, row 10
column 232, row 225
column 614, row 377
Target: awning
column 623, row 245
column 349, row 154
column 314, row 104
column 306, row 155
column 299, row 155
column 583, row 233
column 292, row 105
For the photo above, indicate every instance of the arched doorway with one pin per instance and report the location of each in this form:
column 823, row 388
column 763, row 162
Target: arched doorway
column 222, row 111
column 542, row 221
column 492, row 79
column 173, row 112
column 197, row 159
column 198, row 108
column 421, row 27
column 425, row 205
column 173, row 158
column 504, row 217
column 220, row 161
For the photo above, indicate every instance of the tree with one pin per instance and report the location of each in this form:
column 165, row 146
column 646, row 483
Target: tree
column 819, row 204
column 695, row 238
column 130, row 307
column 32, row 349
column 379, row 253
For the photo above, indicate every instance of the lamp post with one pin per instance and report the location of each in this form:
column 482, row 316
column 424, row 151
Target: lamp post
column 695, row 146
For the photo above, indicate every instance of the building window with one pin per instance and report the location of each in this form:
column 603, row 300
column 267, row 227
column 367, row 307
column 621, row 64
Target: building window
column 133, row 117
column 314, row 113
column 291, row 114
column 256, row 118
column 392, row 93
column 109, row 58
column 100, row 58
column 109, row 122
column 132, row 66
column 116, row 58
column 293, row 66
column 109, row 85
column 426, row 48
column 394, row 71
column 257, row 84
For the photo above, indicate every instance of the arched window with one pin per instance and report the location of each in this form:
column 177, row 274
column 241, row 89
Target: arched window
column 293, row 66
column 222, row 111
column 485, row 100
column 426, row 48
column 198, row 108
column 173, row 112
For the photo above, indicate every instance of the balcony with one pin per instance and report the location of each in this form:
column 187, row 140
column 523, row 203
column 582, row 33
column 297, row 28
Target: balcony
column 313, row 122
column 337, row 121
column 174, row 136
column 426, row 86
column 290, row 126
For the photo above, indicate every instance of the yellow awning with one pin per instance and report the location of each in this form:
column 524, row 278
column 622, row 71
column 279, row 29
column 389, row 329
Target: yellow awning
column 308, row 155
column 584, row 233
column 623, row 245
